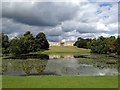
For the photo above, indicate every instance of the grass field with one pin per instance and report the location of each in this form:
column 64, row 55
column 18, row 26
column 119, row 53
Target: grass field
column 60, row 82
column 65, row 50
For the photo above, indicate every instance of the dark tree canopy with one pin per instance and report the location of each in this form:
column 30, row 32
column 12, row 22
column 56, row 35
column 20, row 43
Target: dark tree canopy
column 118, row 45
column 25, row 43
column 17, row 46
column 82, row 43
column 4, row 43
column 29, row 42
column 41, row 41
column 103, row 45
column 100, row 45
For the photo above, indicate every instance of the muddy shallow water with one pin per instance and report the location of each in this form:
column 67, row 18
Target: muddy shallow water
column 62, row 65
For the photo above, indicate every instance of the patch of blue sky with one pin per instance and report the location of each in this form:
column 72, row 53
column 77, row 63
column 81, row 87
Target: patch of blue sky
column 98, row 11
column 112, row 32
column 105, row 4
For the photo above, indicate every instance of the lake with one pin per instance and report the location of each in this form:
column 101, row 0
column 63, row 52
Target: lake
column 61, row 65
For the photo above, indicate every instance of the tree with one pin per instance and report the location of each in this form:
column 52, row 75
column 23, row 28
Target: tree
column 118, row 45
column 103, row 45
column 98, row 45
column 25, row 43
column 110, row 44
column 82, row 43
column 4, row 43
column 17, row 46
column 41, row 41
column 29, row 42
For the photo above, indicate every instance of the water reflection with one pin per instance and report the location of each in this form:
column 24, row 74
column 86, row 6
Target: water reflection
column 27, row 56
column 57, row 64
column 72, row 67
column 57, row 56
column 23, row 67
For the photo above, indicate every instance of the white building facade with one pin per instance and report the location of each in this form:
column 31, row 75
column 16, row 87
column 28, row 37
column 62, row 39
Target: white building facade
column 61, row 43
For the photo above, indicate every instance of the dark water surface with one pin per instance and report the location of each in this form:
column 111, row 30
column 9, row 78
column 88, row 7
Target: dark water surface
column 63, row 65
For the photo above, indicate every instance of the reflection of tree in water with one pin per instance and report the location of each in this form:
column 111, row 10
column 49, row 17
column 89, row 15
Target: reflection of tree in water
column 26, row 65
column 4, row 67
column 104, row 62
column 40, row 66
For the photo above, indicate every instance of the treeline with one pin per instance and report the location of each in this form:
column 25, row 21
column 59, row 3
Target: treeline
column 24, row 43
column 100, row 45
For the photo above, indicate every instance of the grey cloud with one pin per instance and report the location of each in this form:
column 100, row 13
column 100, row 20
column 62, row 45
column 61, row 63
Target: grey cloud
column 56, row 31
column 39, row 14
column 9, row 26
column 54, row 38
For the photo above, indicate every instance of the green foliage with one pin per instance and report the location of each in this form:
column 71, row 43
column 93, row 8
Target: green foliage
column 82, row 43
column 17, row 46
column 5, row 51
column 4, row 43
column 41, row 41
column 29, row 42
column 103, row 45
column 24, row 44
column 118, row 45
column 110, row 44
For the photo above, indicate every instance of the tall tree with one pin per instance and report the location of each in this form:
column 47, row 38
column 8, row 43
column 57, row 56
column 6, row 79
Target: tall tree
column 17, row 45
column 103, row 45
column 29, row 42
column 110, row 44
column 118, row 45
column 23, row 44
column 82, row 43
column 4, row 43
column 41, row 41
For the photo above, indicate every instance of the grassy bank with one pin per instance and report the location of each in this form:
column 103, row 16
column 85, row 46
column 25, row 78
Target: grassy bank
column 65, row 50
column 60, row 82
column 62, row 50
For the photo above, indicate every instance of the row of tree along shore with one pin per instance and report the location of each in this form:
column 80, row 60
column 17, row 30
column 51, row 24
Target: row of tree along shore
column 100, row 45
column 27, row 43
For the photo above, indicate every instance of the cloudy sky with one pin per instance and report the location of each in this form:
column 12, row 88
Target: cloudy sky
column 61, row 21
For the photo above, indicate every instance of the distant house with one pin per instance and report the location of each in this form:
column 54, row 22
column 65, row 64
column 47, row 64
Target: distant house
column 54, row 43
column 68, row 43
column 61, row 43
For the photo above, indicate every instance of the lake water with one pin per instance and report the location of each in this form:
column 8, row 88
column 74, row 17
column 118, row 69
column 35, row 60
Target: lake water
column 61, row 65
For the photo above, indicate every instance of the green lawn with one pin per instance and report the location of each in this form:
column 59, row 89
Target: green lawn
column 60, row 82
column 65, row 50
column 62, row 50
